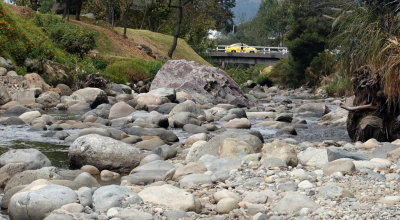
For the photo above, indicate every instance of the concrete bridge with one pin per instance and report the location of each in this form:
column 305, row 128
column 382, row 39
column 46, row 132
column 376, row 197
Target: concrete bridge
column 265, row 55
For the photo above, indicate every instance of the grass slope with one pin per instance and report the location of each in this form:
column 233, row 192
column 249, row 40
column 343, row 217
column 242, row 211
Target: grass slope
column 161, row 43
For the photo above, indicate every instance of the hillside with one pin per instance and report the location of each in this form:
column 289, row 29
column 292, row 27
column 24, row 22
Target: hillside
column 41, row 37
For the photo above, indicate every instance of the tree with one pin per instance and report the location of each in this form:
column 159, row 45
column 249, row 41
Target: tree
column 179, row 6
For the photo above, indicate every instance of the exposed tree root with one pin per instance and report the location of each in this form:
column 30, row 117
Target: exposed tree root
column 357, row 108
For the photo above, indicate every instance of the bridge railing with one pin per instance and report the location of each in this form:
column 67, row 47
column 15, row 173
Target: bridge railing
column 260, row 49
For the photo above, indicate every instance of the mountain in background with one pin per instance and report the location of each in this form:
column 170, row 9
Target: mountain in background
column 246, row 9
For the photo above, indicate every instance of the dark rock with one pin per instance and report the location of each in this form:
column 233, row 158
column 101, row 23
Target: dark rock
column 32, row 158
column 17, row 110
column 165, row 152
column 165, row 108
column 162, row 133
column 13, row 120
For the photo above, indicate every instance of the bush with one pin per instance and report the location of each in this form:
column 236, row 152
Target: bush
column 69, row 37
column 100, row 64
column 154, row 67
column 133, row 70
column 274, row 75
column 19, row 39
column 21, row 70
column 338, row 87
column 238, row 75
column 321, row 65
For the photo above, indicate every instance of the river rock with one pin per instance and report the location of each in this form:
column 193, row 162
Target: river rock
column 16, row 110
column 146, row 99
column 32, row 158
column 150, row 144
column 313, row 110
column 27, row 177
column 371, row 144
column 102, row 111
column 382, row 152
column 9, row 170
column 189, row 168
column 49, row 99
column 187, row 106
column 93, row 96
column 85, row 179
column 65, row 90
column 37, row 204
column 165, row 108
column 149, row 158
column 10, row 193
column 169, row 93
column 119, row 110
column 165, row 152
column 332, row 191
column 335, row 153
column 99, row 131
column 85, row 196
column 256, row 197
column 286, row 130
column 28, row 117
column 231, row 147
column 212, row 146
column 339, row 166
column 294, row 203
column 218, row 196
column 36, row 81
column 169, row 196
column 180, row 119
column 124, row 97
column 272, row 162
column 103, row 153
column 226, row 163
column 162, row 133
column 281, row 150
column 238, row 123
column 195, row 179
column 4, row 96
column 176, row 214
column 90, row 169
column 226, row 205
column 203, row 83
column 107, row 197
column 148, row 173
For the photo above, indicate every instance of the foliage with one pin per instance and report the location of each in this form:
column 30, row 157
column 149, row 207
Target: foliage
column 274, row 75
column 133, row 70
column 320, row 66
column 20, row 39
column 69, row 37
column 46, row 6
column 21, row 70
column 100, row 64
column 338, row 87
column 369, row 36
column 238, row 75
column 154, row 67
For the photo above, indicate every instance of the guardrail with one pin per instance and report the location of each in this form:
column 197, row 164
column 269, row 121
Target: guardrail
column 260, row 49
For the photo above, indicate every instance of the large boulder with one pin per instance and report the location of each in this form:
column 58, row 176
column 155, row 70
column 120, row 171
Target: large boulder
column 93, row 96
column 32, row 158
column 37, row 204
column 49, row 99
column 18, row 89
column 169, row 196
column 107, row 197
column 103, row 153
column 231, row 147
column 203, row 83
column 212, row 146
column 56, row 73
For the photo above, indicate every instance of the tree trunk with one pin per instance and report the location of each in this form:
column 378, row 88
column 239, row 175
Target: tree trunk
column 66, row 10
column 178, row 28
column 125, row 24
column 78, row 9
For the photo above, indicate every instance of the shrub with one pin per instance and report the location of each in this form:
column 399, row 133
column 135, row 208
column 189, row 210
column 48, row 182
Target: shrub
column 69, row 37
column 21, row 70
column 100, row 64
column 154, row 67
column 338, row 87
column 133, row 70
column 321, row 65
column 274, row 75
column 238, row 75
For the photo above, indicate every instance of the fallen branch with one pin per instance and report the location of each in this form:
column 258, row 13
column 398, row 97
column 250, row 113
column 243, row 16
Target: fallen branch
column 357, row 108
